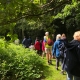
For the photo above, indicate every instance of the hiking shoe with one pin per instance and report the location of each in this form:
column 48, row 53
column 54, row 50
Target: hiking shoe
column 50, row 61
column 62, row 72
column 57, row 69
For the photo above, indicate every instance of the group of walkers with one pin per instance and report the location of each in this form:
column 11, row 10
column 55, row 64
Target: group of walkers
column 68, row 53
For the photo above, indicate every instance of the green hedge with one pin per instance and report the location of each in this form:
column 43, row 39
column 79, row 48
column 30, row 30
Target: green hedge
column 18, row 63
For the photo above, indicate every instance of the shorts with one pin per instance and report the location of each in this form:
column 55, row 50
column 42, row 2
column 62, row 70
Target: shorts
column 48, row 50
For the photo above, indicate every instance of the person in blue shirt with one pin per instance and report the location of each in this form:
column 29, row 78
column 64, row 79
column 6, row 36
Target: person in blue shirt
column 56, row 51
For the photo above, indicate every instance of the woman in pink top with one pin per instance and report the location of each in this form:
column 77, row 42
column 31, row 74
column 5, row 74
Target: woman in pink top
column 43, row 49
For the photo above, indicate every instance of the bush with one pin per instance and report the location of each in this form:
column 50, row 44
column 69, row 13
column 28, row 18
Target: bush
column 18, row 63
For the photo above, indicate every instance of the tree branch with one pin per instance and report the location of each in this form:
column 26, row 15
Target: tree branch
column 34, row 15
column 47, row 4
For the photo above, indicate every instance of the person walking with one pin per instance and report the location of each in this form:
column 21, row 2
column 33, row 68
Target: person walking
column 37, row 46
column 62, row 48
column 25, row 42
column 43, row 47
column 48, row 48
column 72, row 58
column 56, row 51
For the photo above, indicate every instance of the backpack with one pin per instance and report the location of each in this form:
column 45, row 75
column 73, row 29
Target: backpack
column 72, row 64
column 49, row 42
column 62, row 48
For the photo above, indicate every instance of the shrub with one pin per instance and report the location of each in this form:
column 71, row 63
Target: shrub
column 19, row 63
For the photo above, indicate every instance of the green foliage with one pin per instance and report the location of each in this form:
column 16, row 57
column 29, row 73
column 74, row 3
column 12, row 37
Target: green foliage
column 34, row 14
column 67, row 10
column 18, row 63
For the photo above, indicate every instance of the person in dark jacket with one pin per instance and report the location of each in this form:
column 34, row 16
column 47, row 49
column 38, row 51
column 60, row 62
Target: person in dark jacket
column 29, row 41
column 62, row 48
column 25, row 42
column 64, row 39
column 72, row 58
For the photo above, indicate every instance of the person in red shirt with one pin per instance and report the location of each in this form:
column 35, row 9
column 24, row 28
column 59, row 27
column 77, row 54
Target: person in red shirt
column 37, row 46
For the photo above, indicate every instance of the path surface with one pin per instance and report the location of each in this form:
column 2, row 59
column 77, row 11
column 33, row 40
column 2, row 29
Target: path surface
column 54, row 74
